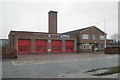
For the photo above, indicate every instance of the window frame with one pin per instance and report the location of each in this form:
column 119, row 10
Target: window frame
column 85, row 35
column 101, row 38
column 94, row 38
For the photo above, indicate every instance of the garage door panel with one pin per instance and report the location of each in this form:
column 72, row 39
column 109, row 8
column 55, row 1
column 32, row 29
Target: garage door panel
column 69, row 46
column 41, row 46
column 24, row 46
column 56, row 45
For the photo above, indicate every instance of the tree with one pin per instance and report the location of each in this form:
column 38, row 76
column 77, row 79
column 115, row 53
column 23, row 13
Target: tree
column 115, row 37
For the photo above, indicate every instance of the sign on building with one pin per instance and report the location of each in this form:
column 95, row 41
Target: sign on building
column 65, row 36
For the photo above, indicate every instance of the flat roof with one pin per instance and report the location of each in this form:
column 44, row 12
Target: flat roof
column 52, row 11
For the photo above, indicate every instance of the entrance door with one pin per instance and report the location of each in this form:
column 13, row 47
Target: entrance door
column 95, row 46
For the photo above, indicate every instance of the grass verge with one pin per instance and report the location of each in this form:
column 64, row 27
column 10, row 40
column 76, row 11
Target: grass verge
column 110, row 70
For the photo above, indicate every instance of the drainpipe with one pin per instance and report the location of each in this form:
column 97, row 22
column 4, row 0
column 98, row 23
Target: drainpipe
column 13, row 39
column 105, row 33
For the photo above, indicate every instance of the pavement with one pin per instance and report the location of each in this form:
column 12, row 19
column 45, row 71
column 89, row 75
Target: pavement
column 58, row 65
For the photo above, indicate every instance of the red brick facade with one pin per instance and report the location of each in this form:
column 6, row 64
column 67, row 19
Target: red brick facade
column 86, row 39
column 52, row 22
column 15, row 36
column 89, row 39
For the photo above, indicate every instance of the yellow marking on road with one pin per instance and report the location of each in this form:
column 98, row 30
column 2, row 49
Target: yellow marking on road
column 48, row 61
column 14, row 63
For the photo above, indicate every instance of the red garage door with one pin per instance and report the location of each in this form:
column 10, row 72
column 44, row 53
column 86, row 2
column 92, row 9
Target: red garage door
column 41, row 46
column 56, row 46
column 24, row 46
column 69, row 46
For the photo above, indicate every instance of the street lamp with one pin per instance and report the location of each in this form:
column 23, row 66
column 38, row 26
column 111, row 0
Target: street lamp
column 105, row 40
column 105, row 33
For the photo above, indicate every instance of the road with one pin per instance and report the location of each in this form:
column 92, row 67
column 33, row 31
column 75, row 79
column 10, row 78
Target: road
column 55, row 69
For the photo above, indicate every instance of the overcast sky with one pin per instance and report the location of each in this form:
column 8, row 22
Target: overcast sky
column 72, row 15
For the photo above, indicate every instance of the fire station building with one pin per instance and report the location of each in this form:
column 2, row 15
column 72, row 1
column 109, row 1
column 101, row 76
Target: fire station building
column 90, row 39
column 86, row 39
column 39, row 42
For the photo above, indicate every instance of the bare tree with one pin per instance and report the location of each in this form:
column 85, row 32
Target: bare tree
column 115, row 37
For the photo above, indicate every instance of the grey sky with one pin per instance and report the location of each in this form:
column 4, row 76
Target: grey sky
column 33, row 16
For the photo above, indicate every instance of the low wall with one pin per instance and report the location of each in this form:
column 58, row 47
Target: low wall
column 86, row 50
column 112, row 50
column 9, row 54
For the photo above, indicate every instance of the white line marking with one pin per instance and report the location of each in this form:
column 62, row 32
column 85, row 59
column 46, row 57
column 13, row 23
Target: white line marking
column 110, row 57
column 60, row 61
column 41, row 63
column 89, row 59
column 99, row 58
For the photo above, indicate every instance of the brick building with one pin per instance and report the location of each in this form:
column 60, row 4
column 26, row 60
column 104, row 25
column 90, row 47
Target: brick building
column 81, row 40
column 89, row 39
column 39, row 42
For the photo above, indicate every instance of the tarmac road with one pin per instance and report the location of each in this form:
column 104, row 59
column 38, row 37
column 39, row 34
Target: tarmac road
column 54, row 68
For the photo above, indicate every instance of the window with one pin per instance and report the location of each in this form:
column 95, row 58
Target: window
column 23, row 48
column 69, row 48
column 101, row 37
column 40, row 48
column 93, row 37
column 85, row 46
column 56, row 48
column 85, row 36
